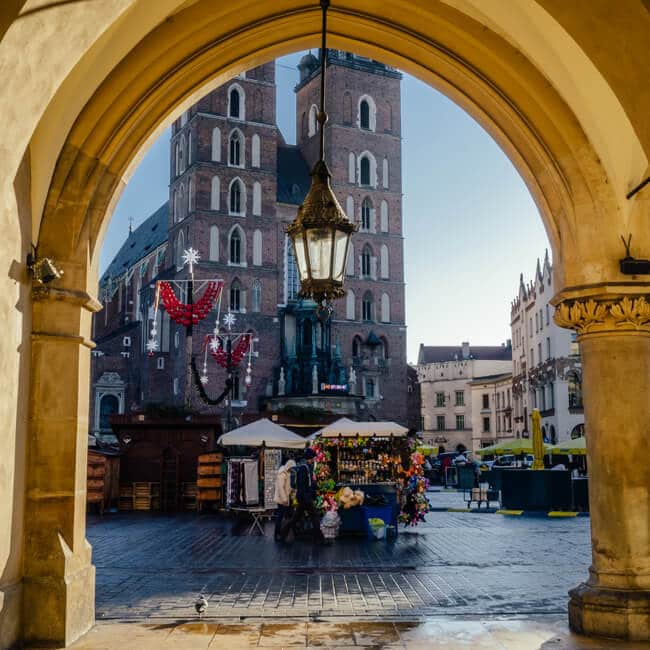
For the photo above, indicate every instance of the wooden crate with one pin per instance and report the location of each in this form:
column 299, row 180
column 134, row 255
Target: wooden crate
column 96, row 471
column 209, row 469
column 214, row 457
column 209, row 482
column 209, row 495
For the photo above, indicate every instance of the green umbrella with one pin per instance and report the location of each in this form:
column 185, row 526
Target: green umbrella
column 517, row 446
column 577, row 447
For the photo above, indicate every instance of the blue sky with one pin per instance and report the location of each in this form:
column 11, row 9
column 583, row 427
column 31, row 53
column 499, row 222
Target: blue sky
column 470, row 224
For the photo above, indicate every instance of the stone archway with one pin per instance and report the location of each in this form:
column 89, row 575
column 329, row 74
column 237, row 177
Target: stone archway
column 548, row 104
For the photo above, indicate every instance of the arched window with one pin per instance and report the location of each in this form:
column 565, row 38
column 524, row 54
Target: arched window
column 384, row 216
column 235, row 247
column 383, row 262
column 350, row 305
column 257, row 199
column 365, row 214
column 364, row 171
column 236, row 145
column 367, row 115
column 235, row 296
column 255, row 150
column 182, row 205
column 364, row 114
column 182, row 152
column 180, row 247
column 216, row 144
column 575, row 390
column 349, row 268
column 313, row 121
column 256, row 298
column 189, row 148
column 385, row 308
column 349, row 207
column 367, row 307
column 236, row 199
column 257, row 248
column 366, row 261
column 108, row 405
column 356, row 347
column 235, row 103
column 191, row 195
column 213, row 253
column 384, row 178
column 215, row 191
column 352, row 168
column 370, row 388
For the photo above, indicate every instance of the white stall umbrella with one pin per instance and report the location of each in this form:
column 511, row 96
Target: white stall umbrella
column 260, row 432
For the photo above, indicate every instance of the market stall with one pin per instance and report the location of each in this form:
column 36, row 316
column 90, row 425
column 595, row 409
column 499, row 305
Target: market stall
column 371, row 475
column 254, row 455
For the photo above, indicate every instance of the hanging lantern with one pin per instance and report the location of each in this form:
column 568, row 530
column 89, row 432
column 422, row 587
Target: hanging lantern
column 321, row 231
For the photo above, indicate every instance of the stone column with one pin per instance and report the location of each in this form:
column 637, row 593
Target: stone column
column 59, row 579
column 614, row 335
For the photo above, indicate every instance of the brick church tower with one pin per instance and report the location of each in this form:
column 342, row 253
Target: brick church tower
column 364, row 154
column 234, row 186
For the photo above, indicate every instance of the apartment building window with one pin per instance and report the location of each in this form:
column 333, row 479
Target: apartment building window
column 498, row 401
column 542, row 398
column 551, row 395
column 460, row 398
column 548, row 347
column 547, row 315
column 460, row 422
column 440, row 423
column 531, row 326
column 541, row 320
column 440, row 399
column 536, row 322
column 486, row 425
column 532, row 357
column 508, row 398
column 539, row 352
column 486, row 401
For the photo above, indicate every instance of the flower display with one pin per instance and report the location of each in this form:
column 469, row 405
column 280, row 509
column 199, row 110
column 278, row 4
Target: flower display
column 415, row 504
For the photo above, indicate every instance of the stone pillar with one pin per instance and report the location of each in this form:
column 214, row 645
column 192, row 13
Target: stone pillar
column 614, row 335
column 59, row 579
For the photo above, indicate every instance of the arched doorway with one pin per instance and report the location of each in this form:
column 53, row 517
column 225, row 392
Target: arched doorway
column 559, row 123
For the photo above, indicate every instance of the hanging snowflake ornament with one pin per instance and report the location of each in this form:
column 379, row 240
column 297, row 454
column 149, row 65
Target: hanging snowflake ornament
column 190, row 258
column 214, row 344
column 229, row 320
column 204, row 379
column 152, row 346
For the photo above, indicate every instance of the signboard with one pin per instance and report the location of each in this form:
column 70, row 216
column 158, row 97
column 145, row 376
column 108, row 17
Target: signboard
column 334, row 388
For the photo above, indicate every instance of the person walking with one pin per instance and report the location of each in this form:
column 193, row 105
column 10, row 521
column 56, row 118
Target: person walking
column 306, row 498
column 282, row 495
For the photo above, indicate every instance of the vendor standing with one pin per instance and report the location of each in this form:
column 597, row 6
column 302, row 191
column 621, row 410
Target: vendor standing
column 283, row 494
column 306, row 497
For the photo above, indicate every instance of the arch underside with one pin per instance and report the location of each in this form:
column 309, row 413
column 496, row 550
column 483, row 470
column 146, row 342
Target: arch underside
column 182, row 59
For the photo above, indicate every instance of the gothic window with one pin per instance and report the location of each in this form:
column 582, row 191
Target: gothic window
column 364, row 173
column 293, row 284
column 257, row 248
column 215, row 189
column 356, row 347
column 180, row 246
column 367, row 307
column 256, row 299
column 213, row 254
column 385, row 308
column 313, row 122
column 236, row 202
column 383, row 257
column 365, row 215
column 349, row 305
column 384, row 179
column 257, row 199
column 235, row 247
column 191, row 194
column 352, row 165
column 234, row 104
column 108, row 406
column 366, row 256
column 384, row 216
column 575, row 390
column 364, row 114
column 235, row 150
column 349, row 269
column 255, row 150
column 235, row 296
column 216, row 144
column 349, row 208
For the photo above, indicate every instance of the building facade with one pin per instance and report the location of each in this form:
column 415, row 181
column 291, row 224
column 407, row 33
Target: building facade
column 445, row 374
column 234, row 186
column 547, row 371
column 491, row 399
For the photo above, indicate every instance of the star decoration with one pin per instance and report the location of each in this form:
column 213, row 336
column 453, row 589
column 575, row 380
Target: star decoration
column 152, row 345
column 214, row 344
column 204, row 379
column 229, row 320
column 191, row 257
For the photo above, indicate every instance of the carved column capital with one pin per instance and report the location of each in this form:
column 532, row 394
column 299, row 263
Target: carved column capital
column 596, row 315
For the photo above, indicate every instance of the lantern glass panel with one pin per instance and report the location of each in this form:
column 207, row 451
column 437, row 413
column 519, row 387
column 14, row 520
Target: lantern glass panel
column 301, row 260
column 340, row 254
column 319, row 243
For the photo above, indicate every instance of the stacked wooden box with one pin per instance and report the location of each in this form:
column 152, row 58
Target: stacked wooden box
column 210, row 480
column 96, row 477
column 190, row 494
column 126, row 497
column 140, row 496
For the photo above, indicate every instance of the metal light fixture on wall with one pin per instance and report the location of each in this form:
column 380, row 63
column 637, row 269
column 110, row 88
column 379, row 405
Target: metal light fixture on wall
column 321, row 231
column 43, row 270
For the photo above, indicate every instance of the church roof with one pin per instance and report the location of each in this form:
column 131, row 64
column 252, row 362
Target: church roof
column 150, row 234
column 441, row 353
column 293, row 175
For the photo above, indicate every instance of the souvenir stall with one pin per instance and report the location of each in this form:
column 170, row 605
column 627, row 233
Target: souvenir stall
column 371, row 475
column 254, row 455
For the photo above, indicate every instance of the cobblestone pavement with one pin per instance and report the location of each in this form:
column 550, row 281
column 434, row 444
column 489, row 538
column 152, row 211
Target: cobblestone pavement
column 469, row 564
